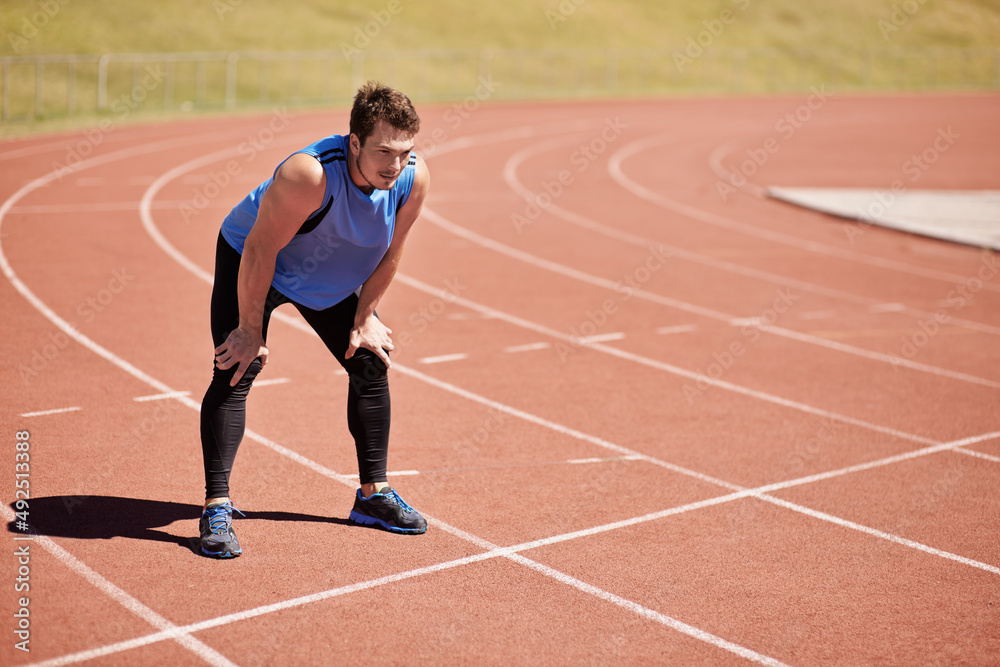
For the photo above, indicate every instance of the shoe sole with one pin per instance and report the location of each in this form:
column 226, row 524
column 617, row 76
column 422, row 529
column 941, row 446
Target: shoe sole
column 221, row 554
column 365, row 520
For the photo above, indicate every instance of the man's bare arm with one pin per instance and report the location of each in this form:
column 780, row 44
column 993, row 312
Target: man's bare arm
column 297, row 190
column 368, row 332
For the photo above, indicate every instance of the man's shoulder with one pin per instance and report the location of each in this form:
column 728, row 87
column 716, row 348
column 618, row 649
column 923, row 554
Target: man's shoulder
column 329, row 149
column 301, row 170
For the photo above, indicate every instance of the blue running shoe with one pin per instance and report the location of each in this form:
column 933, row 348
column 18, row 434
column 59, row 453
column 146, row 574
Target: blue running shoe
column 388, row 510
column 217, row 537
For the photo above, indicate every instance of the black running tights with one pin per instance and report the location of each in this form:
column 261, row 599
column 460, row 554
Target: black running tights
column 223, row 410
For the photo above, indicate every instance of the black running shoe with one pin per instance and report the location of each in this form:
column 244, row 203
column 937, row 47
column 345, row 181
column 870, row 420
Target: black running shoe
column 388, row 510
column 217, row 537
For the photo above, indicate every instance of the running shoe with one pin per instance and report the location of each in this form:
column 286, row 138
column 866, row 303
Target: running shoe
column 217, row 537
column 388, row 510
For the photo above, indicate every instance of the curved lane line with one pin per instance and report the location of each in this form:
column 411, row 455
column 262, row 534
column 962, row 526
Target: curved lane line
column 589, row 278
column 740, row 491
column 142, row 376
column 126, row 600
column 518, row 158
column 150, row 226
column 614, row 168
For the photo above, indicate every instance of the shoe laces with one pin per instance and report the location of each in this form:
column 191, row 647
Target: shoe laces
column 220, row 517
column 392, row 495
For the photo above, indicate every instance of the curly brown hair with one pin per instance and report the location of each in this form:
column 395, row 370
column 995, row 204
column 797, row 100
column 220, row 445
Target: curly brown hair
column 376, row 101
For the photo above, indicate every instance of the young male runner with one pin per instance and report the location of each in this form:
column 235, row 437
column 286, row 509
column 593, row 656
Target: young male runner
column 324, row 233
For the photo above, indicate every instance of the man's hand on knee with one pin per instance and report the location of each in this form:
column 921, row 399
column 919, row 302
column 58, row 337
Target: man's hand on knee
column 240, row 349
column 371, row 334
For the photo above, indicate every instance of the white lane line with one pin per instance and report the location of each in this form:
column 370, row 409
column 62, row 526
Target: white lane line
column 720, row 170
column 652, row 363
column 186, row 630
column 649, row 143
column 893, row 360
column 126, row 600
column 49, row 412
column 492, row 552
column 528, row 347
column 604, row 460
column 90, row 208
column 183, row 634
column 76, row 208
column 270, row 381
column 878, row 463
column 559, row 428
column 651, row 614
column 443, row 358
column 1, row 257
column 160, row 397
column 739, row 490
column 510, row 175
column 679, row 329
column 887, row 308
column 601, row 338
column 823, row 516
column 129, row 367
column 978, row 455
column 193, row 644
column 151, row 227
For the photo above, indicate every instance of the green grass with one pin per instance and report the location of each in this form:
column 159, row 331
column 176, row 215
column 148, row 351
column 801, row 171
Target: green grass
column 116, row 26
column 750, row 46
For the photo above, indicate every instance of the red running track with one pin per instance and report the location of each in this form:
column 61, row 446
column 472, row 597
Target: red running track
column 651, row 420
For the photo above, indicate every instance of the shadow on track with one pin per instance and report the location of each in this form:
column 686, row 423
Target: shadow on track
column 105, row 517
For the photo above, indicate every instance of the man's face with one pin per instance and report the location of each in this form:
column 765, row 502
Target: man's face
column 383, row 156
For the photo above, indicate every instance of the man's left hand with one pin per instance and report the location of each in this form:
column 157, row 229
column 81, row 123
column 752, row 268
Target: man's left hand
column 373, row 335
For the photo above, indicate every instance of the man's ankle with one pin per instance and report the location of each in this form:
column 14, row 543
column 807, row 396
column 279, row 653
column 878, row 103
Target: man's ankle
column 215, row 501
column 368, row 490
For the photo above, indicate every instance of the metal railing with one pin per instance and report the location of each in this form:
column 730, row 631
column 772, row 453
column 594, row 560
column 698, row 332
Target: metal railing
column 35, row 87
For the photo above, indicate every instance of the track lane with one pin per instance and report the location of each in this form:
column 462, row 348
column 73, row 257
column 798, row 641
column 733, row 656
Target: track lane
column 419, row 299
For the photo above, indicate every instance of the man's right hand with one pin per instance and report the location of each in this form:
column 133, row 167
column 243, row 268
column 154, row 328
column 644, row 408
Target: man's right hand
column 240, row 349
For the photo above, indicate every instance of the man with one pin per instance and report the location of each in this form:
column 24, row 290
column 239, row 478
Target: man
column 324, row 233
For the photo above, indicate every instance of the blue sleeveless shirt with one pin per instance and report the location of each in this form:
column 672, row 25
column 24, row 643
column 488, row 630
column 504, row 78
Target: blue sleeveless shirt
column 341, row 243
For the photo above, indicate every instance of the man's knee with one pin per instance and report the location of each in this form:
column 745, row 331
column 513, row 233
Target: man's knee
column 365, row 370
column 220, row 376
